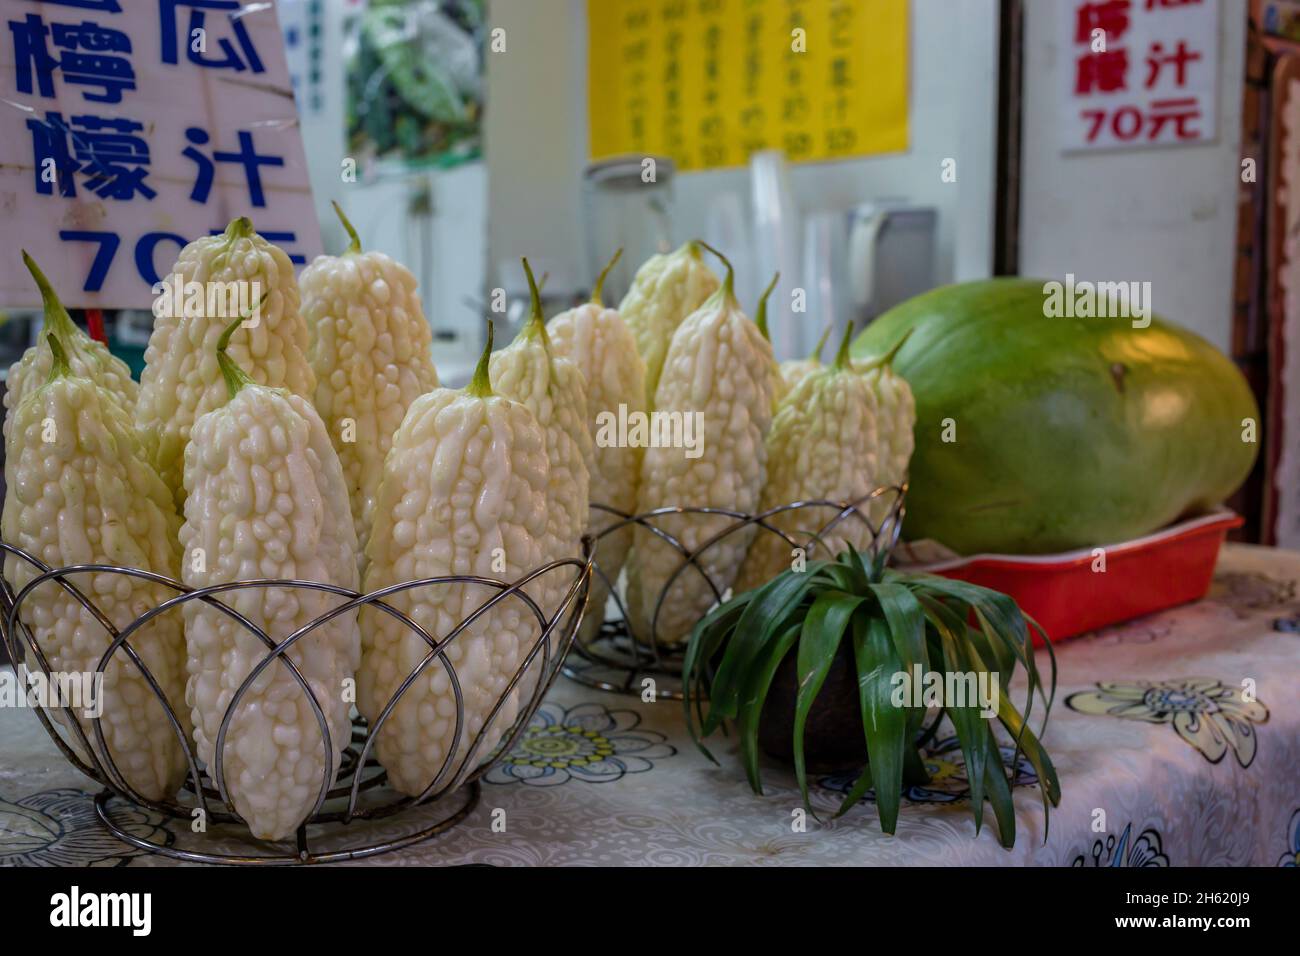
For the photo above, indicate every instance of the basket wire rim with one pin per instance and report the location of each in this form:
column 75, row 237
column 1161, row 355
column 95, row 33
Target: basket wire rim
column 101, row 766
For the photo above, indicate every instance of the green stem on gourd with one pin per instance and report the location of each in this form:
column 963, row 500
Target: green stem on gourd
column 480, row 386
column 241, row 227
column 59, row 366
column 536, row 324
column 726, row 292
column 887, row 359
column 354, row 244
column 842, row 356
column 236, row 378
column 600, row 280
column 816, row 355
column 760, row 316
column 56, row 316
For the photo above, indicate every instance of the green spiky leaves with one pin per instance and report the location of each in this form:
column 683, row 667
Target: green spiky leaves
column 889, row 624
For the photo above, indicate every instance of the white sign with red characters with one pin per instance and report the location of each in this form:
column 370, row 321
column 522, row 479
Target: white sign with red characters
column 1138, row 72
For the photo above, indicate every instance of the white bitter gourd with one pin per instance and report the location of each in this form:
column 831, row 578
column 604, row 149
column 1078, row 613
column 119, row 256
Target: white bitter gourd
column 464, row 492
column 599, row 343
column 720, row 369
column 895, row 425
column 666, row 289
column 265, row 498
column 794, row 371
column 79, row 491
column 181, row 380
column 86, row 357
column 823, row 446
column 371, row 352
column 552, row 388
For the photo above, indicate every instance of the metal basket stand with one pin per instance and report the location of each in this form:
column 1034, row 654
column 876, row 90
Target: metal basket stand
column 620, row 660
column 336, row 830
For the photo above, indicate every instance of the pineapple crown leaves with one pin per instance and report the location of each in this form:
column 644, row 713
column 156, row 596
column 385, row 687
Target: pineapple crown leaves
column 57, row 319
column 235, row 377
column 600, row 279
column 760, row 315
column 887, row 623
column 480, row 386
column 354, row 241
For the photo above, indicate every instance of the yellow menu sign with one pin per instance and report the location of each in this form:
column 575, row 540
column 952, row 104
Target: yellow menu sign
column 707, row 82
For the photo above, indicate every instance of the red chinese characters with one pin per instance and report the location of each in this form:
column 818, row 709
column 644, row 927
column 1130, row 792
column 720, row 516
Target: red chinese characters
column 1142, row 71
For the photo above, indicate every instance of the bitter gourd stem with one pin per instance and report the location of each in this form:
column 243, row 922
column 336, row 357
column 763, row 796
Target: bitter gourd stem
column 480, row 386
column 236, row 378
column 241, row 227
column 760, row 316
column 821, row 344
column 600, row 280
column 59, row 366
column 887, row 359
column 726, row 292
column 842, row 356
column 57, row 319
column 536, row 324
column 354, row 245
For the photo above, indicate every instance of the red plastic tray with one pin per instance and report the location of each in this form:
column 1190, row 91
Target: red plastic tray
column 1063, row 593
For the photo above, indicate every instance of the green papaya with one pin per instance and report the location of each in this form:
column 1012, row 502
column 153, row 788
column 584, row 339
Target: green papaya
column 1038, row 434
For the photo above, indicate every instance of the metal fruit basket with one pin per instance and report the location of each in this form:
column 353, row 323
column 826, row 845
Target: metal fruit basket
column 620, row 659
column 337, row 828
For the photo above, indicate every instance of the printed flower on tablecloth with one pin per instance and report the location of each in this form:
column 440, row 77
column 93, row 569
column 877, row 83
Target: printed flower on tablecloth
column 585, row 742
column 947, row 769
column 60, row 828
column 1291, row 858
column 1209, row 715
column 1146, row 850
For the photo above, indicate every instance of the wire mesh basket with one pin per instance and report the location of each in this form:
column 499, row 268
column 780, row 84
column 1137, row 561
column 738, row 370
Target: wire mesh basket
column 339, row 828
column 619, row 657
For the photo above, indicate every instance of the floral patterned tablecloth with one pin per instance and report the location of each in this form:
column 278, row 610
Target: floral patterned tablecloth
column 1176, row 737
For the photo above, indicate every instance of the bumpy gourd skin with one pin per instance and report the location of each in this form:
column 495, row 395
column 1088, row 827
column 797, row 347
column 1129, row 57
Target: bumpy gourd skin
column 181, row 380
column 464, row 491
column 794, row 371
column 89, row 497
column 721, row 365
column 895, row 425
column 371, row 354
column 824, row 445
column 266, row 499
column 600, row 344
column 86, row 357
column 666, row 289
column 552, row 388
